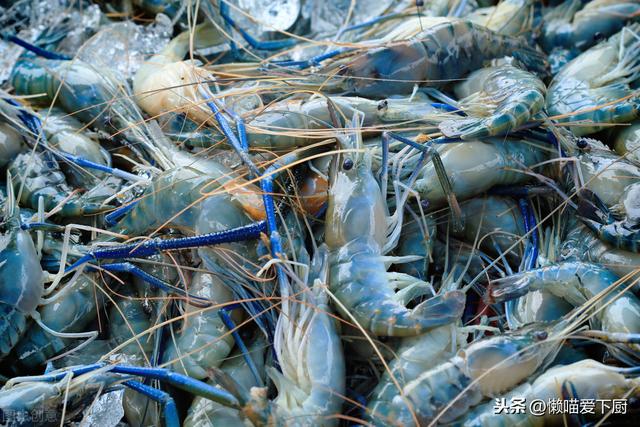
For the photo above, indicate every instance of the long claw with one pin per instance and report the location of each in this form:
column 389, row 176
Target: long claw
column 182, row 382
column 152, row 247
column 127, row 267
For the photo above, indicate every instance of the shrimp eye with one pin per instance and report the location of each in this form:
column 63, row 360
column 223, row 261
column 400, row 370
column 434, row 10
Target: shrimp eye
column 582, row 143
column 419, row 3
column 598, row 36
column 343, row 69
column 424, row 203
column 383, row 104
column 347, row 164
column 540, row 335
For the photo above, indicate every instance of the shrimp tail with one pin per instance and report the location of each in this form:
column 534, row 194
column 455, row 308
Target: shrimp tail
column 505, row 118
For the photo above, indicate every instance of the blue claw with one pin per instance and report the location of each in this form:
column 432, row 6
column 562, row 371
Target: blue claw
column 242, row 133
column 127, row 267
column 112, row 218
column 376, row 20
column 35, row 49
column 313, row 61
column 448, row 107
column 45, row 226
column 152, row 247
column 34, row 124
column 266, row 184
column 89, row 164
column 180, row 381
column 230, row 324
column 170, row 411
column 240, row 146
column 256, row 44
column 530, row 224
column 520, row 191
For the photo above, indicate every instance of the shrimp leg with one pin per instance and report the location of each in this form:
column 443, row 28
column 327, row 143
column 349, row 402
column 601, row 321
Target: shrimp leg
column 440, row 171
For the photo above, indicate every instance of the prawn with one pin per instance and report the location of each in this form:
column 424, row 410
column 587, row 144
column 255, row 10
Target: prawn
column 446, row 51
column 356, row 234
column 595, row 89
column 496, row 100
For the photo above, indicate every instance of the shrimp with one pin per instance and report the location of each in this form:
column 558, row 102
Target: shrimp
column 577, row 283
column 623, row 233
column 204, row 341
column 570, row 28
column 75, row 308
column 21, row 278
column 204, row 412
column 309, row 351
column 20, row 402
column 446, row 51
column 595, row 89
column 608, row 198
column 92, row 96
column 414, row 356
column 39, row 176
column 296, row 122
column 476, row 166
column 291, row 123
column 75, row 86
column 586, row 379
column 71, row 389
column 603, row 172
column 484, row 368
column 424, row 352
column 64, row 133
column 582, row 244
column 165, row 83
column 356, row 234
column 496, row 100
column 127, row 319
column 175, row 198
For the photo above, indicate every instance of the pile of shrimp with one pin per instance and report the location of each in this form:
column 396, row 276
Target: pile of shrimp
column 303, row 212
